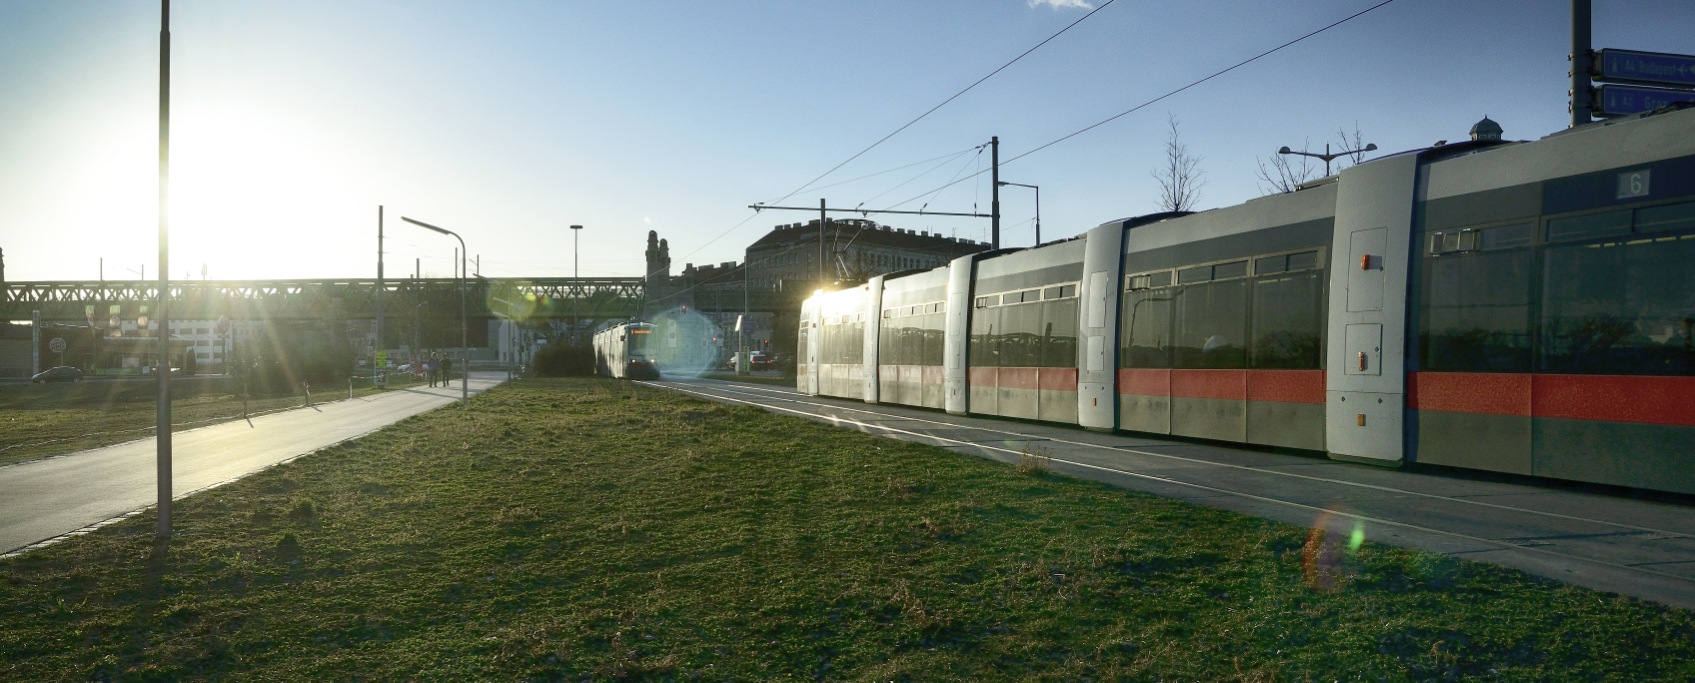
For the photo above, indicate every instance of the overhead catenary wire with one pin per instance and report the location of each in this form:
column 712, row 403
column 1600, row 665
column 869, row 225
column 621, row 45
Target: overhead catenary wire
column 943, row 103
column 897, row 131
column 1167, row 95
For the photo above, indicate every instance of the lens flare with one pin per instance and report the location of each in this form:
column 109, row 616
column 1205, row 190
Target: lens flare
column 1327, row 558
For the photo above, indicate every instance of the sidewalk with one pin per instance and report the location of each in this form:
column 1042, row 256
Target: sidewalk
column 46, row 499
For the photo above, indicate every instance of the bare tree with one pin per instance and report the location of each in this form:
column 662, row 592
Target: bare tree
column 1354, row 142
column 1180, row 180
column 1286, row 172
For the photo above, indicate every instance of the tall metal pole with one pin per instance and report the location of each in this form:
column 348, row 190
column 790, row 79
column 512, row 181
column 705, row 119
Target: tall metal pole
column 1580, row 63
column 464, row 336
column 823, row 213
column 742, row 365
column 379, row 371
column 995, row 197
column 1038, row 216
column 576, row 274
column 162, row 414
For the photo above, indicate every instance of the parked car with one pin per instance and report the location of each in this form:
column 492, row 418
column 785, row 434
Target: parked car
column 63, row 373
column 757, row 360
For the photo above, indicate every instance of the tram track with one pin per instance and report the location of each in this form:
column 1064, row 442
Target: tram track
column 799, row 404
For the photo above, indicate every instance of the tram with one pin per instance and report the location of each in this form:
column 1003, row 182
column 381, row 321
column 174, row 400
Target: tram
column 1520, row 307
column 621, row 351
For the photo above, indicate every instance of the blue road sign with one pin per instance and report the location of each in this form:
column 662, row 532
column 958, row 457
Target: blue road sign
column 1645, row 67
column 1620, row 100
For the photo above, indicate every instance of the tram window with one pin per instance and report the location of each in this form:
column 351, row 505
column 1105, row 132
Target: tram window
column 982, row 302
column 1589, row 227
column 984, row 344
column 934, row 336
column 1304, row 260
column 888, row 313
column 1211, row 322
column 1288, row 321
column 1197, row 274
column 1059, row 334
column 1666, row 218
column 1021, row 337
column 1271, row 264
column 912, row 341
column 1147, row 329
column 1474, row 312
column 1505, row 236
column 1618, row 308
column 1068, row 291
column 1228, row 270
column 1052, row 292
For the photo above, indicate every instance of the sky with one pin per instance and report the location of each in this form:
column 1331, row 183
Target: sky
column 509, row 121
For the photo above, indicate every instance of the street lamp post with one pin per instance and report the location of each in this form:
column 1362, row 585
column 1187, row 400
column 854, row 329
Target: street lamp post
column 162, row 413
column 1327, row 156
column 464, row 338
column 576, row 273
column 1038, row 208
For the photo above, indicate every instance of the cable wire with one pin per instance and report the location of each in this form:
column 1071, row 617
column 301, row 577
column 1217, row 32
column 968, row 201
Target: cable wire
column 1143, row 105
column 944, row 103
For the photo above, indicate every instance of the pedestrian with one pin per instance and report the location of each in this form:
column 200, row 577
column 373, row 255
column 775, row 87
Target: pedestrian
column 446, row 367
column 429, row 371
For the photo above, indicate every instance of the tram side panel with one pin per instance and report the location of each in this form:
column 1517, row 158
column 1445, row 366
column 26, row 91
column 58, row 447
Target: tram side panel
column 911, row 339
column 806, row 355
column 1554, row 311
column 1222, row 323
column 869, row 385
column 1097, row 352
column 1023, row 345
column 841, row 339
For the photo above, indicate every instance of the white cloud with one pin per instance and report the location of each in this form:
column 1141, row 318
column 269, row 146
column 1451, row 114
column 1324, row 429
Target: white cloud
column 1061, row 4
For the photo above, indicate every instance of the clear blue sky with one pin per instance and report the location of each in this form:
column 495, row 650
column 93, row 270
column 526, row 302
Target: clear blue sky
column 509, row 121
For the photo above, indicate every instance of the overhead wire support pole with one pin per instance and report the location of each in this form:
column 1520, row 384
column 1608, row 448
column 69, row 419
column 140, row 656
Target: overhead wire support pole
column 995, row 192
column 162, row 413
column 823, row 215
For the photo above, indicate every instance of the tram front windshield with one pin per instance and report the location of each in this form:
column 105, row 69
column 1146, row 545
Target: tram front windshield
column 638, row 342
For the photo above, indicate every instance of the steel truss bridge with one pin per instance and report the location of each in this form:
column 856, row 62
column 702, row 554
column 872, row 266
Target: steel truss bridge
column 356, row 299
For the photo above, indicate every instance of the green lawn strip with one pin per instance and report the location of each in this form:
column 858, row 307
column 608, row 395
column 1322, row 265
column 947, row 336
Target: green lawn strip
column 38, row 421
column 572, row 529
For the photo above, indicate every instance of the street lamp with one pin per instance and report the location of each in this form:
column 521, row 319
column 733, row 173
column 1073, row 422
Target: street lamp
column 1038, row 207
column 464, row 338
column 576, row 315
column 1327, row 156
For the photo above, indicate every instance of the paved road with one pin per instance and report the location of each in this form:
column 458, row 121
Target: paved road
column 1613, row 543
column 45, row 499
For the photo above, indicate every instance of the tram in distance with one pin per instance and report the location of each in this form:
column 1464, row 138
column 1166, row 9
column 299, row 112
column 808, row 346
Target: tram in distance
column 1522, row 307
column 621, row 351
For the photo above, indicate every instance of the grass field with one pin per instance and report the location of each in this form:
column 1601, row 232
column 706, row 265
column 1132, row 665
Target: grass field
column 41, row 420
column 591, row 529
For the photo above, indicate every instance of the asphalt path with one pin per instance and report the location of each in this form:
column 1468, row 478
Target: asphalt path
column 43, row 500
column 1616, row 543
